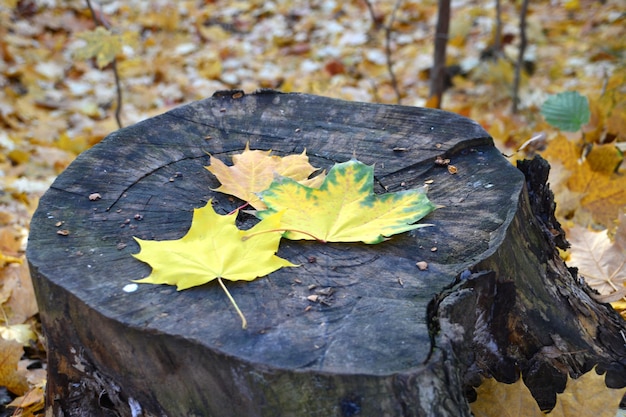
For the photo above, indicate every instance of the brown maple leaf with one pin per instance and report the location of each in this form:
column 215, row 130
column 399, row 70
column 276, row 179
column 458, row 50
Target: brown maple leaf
column 254, row 170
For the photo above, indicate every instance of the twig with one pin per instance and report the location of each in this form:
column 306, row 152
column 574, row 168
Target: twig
column 118, row 88
column 101, row 22
column 388, row 31
column 497, row 42
column 370, row 8
column 520, row 57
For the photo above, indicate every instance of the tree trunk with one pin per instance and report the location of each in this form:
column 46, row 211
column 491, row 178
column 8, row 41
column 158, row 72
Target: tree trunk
column 387, row 338
column 438, row 72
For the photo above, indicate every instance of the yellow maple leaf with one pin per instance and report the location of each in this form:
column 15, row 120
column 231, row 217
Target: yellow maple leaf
column 602, row 191
column 253, row 172
column 214, row 248
column 586, row 396
column 497, row 399
column 102, row 45
column 601, row 262
column 344, row 208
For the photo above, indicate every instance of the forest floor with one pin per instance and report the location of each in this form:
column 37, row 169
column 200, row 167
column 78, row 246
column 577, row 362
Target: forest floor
column 54, row 105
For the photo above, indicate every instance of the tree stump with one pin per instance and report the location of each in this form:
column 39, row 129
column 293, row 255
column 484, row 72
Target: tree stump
column 387, row 338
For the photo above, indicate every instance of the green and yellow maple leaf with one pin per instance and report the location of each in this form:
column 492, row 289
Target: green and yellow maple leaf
column 214, row 248
column 586, row 396
column 253, row 172
column 344, row 208
column 102, row 45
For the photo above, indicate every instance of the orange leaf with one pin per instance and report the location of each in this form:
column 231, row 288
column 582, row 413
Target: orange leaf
column 254, row 171
column 10, row 354
column 433, row 102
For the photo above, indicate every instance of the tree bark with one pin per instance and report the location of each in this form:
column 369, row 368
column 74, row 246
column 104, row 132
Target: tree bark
column 385, row 338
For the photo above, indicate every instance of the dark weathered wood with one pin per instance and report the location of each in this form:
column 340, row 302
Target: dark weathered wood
column 522, row 309
column 389, row 339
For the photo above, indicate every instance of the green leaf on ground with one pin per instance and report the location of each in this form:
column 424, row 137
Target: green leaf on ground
column 567, row 111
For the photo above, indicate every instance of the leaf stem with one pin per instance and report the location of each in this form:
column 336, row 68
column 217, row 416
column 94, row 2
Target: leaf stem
column 244, row 238
column 241, row 207
column 244, row 322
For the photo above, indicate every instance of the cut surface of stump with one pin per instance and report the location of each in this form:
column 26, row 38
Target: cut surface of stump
column 383, row 336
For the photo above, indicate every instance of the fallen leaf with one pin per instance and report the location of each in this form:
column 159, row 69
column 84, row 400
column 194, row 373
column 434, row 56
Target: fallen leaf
column 214, row 248
column 605, row 159
column 102, row 45
column 620, row 240
column 253, row 172
column 21, row 333
column 20, row 303
column 567, row 111
column 10, row 353
column 32, row 402
column 29, row 403
column 344, row 208
column 586, row 396
column 497, row 399
column 8, row 259
column 601, row 262
column 601, row 192
column 620, row 307
column 75, row 145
